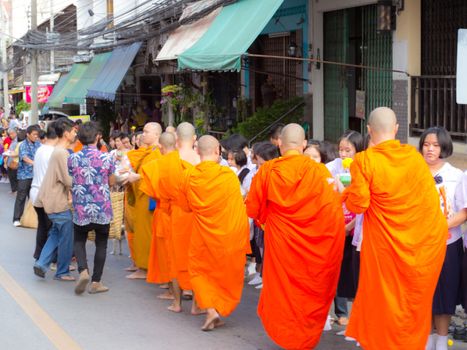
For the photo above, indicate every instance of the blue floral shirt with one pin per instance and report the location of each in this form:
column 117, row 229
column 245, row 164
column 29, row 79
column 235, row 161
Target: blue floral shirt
column 90, row 170
column 26, row 149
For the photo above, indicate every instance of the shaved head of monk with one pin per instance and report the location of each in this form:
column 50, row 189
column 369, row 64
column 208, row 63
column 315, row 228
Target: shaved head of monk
column 382, row 125
column 208, row 148
column 167, row 142
column 151, row 134
column 186, row 138
column 170, row 129
column 292, row 138
column 186, row 132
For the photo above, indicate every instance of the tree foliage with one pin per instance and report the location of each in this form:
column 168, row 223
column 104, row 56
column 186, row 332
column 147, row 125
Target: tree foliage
column 265, row 116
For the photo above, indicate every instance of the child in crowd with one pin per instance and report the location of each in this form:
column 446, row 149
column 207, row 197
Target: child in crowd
column 435, row 146
column 350, row 143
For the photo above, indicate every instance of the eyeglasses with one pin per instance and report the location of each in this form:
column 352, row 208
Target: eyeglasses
column 438, row 179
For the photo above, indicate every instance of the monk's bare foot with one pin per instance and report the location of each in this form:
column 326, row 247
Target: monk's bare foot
column 187, row 294
column 211, row 318
column 131, row 268
column 196, row 311
column 219, row 323
column 137, row 275
column 164, row 286
column 166, row 296
column 175, row 308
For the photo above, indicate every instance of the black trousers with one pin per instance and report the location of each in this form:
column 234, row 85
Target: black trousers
column 102, row 235
column 13, row 180
column 23, row 192
column 43, row 226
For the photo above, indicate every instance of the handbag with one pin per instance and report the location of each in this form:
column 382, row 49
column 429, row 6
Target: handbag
column 29, row 218
column 13, row 164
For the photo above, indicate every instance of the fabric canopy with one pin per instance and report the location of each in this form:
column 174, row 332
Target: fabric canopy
column 66, row 84
column 111, row 76
column 77, row 95
column 229, row 37
column 185, row 36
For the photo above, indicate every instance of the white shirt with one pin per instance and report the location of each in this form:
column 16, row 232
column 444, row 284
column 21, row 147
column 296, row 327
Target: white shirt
column 41, row 163
column 461, row 199
column 246, row 184
column 452, row 178
column 335, row 167
column 14, row 123
column 358, row 232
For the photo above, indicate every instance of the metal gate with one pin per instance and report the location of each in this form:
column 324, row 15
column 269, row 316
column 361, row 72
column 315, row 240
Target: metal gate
column 335, row 87
column 376, row 52
column 356, row 25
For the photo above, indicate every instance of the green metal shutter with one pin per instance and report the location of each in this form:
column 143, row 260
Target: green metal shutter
column 377, row 52
column 335, row 88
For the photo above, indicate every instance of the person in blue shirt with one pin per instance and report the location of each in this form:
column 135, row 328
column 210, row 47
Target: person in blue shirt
column 26, row 153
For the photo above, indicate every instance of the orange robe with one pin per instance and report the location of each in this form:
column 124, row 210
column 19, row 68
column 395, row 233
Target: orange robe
column 78, row 146
column 158, row 177
column 402, row 250
column 304, row 241
column 141, row 216
column 182, row 226
column 220, row 237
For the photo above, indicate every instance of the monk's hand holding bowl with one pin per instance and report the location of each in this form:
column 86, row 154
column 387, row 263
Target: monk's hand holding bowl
column 131, row 178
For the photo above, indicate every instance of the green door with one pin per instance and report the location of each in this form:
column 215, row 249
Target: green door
column 376, row 52
column 336, row 97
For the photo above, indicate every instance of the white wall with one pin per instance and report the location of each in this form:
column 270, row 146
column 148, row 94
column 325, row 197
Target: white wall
column 122, row 9
column 21, row 13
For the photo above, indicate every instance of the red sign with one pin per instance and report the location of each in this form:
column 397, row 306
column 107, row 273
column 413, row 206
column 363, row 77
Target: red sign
column 43, row 93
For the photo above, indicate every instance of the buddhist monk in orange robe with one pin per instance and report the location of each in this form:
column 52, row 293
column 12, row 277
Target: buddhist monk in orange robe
column 162, row 180
column 155, row 176
column 404, row 244
column 182, row 220
column 142, row 216
column 304, row 240
column 220, row 236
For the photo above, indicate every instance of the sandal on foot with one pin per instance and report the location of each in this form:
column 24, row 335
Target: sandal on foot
column 65, row 278
column 38, row 271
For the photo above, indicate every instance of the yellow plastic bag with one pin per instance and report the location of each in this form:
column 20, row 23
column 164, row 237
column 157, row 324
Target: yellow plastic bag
column 29, row 218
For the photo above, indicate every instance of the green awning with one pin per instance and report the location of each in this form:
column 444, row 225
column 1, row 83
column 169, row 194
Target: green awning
column 69, row 82
column 77, row 95
column 111, row 76
column 229, row 37
column 57, row 88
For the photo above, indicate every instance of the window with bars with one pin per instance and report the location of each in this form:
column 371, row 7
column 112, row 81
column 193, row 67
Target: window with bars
column 440, row 22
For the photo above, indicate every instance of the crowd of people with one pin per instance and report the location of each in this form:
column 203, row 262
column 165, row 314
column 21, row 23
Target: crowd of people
column 369, row 220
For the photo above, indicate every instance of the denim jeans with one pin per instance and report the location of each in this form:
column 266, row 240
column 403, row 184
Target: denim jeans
column 60, row 239
column 340, row 307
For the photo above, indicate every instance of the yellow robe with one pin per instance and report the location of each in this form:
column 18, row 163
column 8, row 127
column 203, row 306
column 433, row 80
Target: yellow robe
column 140, row 215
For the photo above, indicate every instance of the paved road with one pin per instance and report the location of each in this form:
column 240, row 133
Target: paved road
column 45, row 314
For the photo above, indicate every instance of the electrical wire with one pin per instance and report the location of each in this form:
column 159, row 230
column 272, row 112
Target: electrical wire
column 143, row 23
column 130, row 26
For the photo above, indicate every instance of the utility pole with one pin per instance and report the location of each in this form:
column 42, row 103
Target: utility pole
column 52, row 53
column 34, row 105
column 5, row 20
column 110, row 13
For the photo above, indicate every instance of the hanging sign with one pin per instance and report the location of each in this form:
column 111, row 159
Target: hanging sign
column 360, row 104
column 461, row 79
column 43, row 93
